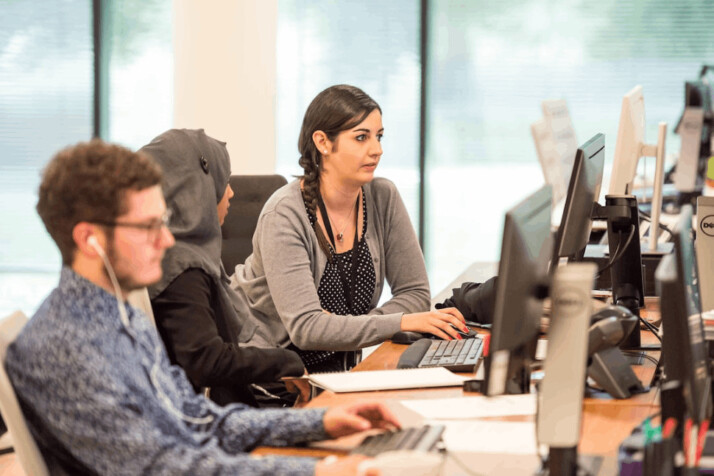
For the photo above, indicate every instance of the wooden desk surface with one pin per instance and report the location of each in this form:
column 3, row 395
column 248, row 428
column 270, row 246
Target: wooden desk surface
column 606, row 421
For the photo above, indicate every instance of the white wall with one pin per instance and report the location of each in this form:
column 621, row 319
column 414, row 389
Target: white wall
column 224, row 76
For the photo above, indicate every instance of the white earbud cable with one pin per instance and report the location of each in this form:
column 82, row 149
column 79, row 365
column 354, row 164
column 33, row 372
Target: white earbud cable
column 153, row 375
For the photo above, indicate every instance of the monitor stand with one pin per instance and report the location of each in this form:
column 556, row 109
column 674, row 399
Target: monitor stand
column 611, row 371
column 567, row 462
column 600, row 254
column 626, row 271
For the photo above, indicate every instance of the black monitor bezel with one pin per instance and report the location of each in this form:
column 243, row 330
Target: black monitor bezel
column 517, row 315
column 576, row 222
column 680, row 306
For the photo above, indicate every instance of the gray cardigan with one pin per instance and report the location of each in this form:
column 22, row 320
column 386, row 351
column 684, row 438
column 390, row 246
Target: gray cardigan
column 279, row 280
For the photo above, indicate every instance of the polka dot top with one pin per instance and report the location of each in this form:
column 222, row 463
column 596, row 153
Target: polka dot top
column 332, row 293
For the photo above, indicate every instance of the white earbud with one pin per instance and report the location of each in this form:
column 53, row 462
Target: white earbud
column 92, row 241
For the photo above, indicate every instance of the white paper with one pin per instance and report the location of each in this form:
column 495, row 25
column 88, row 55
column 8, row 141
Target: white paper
column 486, row 436
column 387, row 379
column 473, row 407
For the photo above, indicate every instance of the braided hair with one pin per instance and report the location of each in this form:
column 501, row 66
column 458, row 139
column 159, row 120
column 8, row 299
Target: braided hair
column 336, row 109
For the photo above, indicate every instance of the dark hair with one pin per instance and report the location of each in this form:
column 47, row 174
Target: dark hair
column 88, row 182
column 336, row 109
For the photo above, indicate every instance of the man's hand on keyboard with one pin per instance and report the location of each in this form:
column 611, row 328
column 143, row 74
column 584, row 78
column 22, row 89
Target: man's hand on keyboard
column 438, row 323
column 352, row 418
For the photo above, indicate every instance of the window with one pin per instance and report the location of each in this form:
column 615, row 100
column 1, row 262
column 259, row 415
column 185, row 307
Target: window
column 137, row 71
column 373, row 45
column 492, row 63
column 45, row 104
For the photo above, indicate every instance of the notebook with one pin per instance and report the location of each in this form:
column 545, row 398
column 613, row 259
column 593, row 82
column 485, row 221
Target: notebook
column 386, row 379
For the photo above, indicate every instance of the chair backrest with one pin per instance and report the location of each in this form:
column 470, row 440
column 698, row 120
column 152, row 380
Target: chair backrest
column 25, row 446
column 139, row 298
column 251, row 193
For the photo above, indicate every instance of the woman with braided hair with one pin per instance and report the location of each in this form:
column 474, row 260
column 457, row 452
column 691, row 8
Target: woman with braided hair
column 325, row 243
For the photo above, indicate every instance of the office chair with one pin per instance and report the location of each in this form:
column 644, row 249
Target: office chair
column 139, row 298
column 251, row 193
column 25, row 446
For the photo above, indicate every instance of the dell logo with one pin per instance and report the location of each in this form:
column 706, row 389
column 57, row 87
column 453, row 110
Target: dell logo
column 691, row 126
column 707, row 225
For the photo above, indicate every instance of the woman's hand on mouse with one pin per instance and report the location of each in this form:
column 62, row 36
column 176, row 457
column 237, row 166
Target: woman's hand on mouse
column 438, row 323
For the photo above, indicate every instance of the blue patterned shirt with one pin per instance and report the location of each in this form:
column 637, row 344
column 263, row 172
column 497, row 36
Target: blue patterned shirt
column 85, row 386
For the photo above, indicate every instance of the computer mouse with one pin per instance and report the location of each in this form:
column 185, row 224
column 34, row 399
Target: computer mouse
column 408, row 337
column 470, row 333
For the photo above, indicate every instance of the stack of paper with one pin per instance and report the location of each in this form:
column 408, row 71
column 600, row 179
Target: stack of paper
column 386, row 379
column 465, row 431
column 473, row 407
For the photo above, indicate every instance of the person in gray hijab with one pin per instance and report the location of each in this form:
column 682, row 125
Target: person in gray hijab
column 198, row 315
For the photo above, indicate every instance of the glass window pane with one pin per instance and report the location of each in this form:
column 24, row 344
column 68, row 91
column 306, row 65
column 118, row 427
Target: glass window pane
column 45, row 103
column 490, row 66
column 137, row 70
column 371, row 44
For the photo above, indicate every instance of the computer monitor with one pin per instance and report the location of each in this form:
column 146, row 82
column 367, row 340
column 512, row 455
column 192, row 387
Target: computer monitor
column 694, row 129
column 629, row 147
column 555, row 141
column 689, row 166
column 557, row 115
column 521, row 288
column 705, row 250
column 698, row 94
column 583, row 191
column 687, row 379
column 549, row 159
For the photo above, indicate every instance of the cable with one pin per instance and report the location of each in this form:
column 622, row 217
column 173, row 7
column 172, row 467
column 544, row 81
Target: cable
column 115, row 283
column 646, row 216
column 641, row 354
column 153, row 374
column 652, row 328
column 612, row 260
column 618, row 252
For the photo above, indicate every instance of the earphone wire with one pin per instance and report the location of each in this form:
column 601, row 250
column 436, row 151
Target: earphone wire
column 153, row 374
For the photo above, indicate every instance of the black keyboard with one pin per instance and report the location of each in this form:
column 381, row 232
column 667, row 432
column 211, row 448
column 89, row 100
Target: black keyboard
column 456, row 355
column 422, row 438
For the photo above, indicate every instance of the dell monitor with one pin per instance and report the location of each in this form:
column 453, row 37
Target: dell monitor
column 629, row 147
column 694, row 129
column 583, row 191
column 549, row 158
column 521, row 288
column 554, row 138
column 698, row 94
column 689, row 166
column 623, row 228
column 687, row 380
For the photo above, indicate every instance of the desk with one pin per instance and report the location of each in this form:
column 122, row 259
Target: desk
column 606, row 421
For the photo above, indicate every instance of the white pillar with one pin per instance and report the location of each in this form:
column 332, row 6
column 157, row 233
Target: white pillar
column 224, row 76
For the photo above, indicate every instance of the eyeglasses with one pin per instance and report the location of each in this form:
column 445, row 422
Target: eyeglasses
column 153, row 228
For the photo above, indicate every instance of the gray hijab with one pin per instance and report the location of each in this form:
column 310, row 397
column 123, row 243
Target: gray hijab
column 196, row 172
